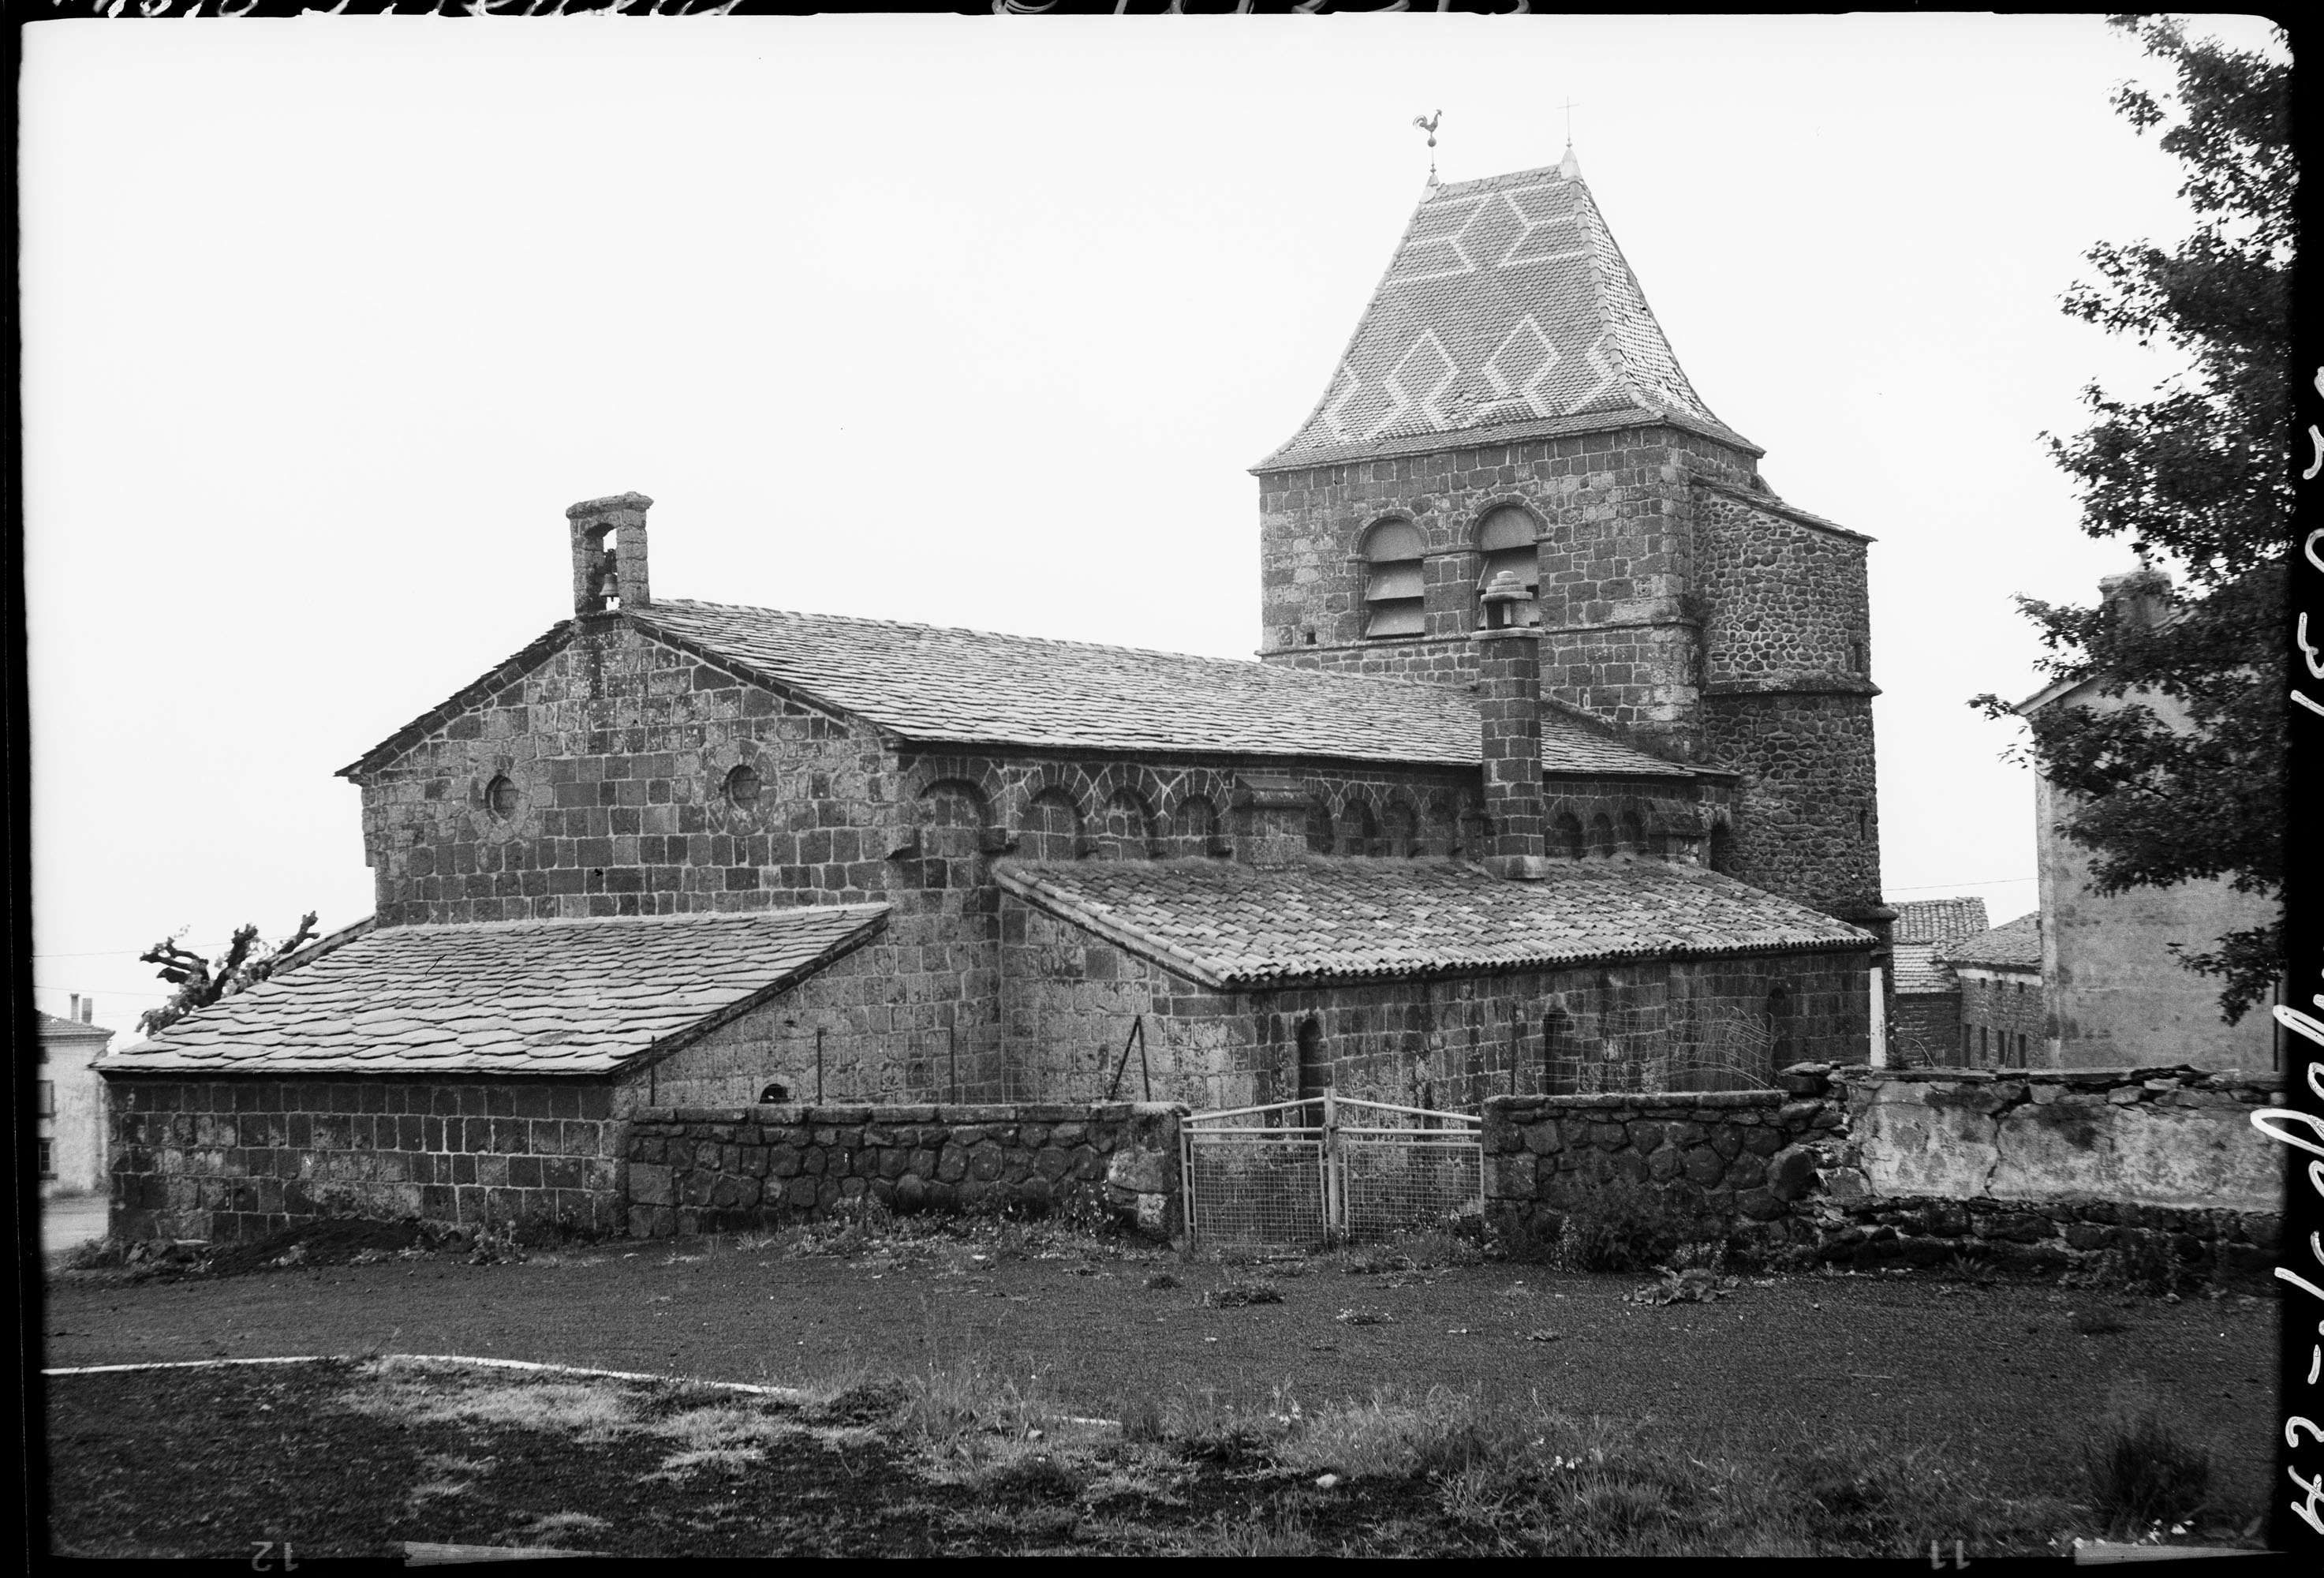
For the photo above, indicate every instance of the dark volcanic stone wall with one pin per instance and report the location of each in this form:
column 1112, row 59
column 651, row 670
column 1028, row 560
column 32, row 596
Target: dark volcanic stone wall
column 1807, row 817
column 707, row 1169
column 241, row 1158
column 617, row 747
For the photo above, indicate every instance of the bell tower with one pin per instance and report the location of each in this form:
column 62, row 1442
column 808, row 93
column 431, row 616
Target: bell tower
column 1508, row 405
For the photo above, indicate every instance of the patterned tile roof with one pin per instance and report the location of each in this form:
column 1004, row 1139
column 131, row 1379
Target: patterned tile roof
column 1917, row 970
column 928, row 683
column 1939, row 920
column 1506, row 312
column 2014, row 946
column 508, row 997
column 1232, row 926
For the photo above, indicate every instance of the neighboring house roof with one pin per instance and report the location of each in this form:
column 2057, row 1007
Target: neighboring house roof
column 1508, row 312
column 2014, row 946
column 1939, row 920
column 1917, row 970
column 966, row 687
column 1232, row 926
column 57, row 1028
column 507, row 997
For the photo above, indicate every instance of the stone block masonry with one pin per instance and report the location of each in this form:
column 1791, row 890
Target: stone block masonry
column 701, row 1169
column 1742, row 1160
column 219, row 1160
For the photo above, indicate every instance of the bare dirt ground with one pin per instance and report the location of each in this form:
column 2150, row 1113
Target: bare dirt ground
column 2012, row 1376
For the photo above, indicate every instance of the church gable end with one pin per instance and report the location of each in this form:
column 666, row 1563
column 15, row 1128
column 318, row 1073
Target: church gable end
column 621, row 775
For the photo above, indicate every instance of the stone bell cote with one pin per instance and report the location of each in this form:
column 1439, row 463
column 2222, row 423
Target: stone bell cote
column 608, row 553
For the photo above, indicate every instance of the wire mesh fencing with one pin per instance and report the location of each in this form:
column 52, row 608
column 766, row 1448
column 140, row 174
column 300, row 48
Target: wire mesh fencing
column 1300, row 1173
column 1255, row 1175
column 1404, row 1169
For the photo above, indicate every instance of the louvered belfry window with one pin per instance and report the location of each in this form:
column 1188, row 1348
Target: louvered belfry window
column 1394, row 596
column 1506, row 537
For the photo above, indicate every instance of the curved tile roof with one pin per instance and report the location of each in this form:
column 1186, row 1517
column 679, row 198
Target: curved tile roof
column 507, row 997
column 929, row 683
column 1236, row 926
column 1938, row 921
column 1506, row 312
column 2014, row 946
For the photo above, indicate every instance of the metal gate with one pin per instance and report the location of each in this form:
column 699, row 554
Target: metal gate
column 1327, row 1170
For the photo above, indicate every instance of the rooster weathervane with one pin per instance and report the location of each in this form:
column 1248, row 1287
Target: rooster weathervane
column 1428, row 124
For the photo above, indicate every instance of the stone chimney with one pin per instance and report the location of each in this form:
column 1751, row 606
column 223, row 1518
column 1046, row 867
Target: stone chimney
column 2140, row 598
column 1271, row 820
column 608, row 553
column 1509, row 704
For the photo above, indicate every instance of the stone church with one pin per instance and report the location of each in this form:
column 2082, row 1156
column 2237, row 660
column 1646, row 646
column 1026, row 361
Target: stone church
column 1555, row 774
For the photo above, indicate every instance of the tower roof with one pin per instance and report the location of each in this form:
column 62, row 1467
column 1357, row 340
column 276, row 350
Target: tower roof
column 1508, row 312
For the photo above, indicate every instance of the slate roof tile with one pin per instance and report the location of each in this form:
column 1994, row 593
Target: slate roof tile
column 1236, row 927
column 508, row 997
column 928, row 683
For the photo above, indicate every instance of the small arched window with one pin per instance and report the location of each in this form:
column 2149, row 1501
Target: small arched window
column 1779, row 1025
column 1565, row 836
column 1314, row 1068
column 1601, row 835
column 501, row 798
column 1506, row 539
column 1395, row 593
column 1400, row 832
column 1723, row 849
column 1634, row 833
column 1194, row 827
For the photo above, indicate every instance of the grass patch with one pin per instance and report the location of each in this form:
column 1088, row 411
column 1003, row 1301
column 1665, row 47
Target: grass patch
column 1625, row 1226
column 1238, row 1293
column 2142, row 1472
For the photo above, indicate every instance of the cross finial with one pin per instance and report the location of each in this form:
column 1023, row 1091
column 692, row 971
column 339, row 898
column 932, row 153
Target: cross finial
column 1569, row 106
column 1428, row 124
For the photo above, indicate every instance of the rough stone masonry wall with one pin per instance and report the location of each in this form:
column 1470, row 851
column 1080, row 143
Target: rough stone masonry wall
column 1787, row 699
column 1807, row 822
column 694, row 1170
column 2044, row 1172
column 1786, row 600
column 240, row 1159
column 1739, row 1161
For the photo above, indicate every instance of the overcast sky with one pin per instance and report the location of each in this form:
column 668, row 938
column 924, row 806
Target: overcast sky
column 968, row 321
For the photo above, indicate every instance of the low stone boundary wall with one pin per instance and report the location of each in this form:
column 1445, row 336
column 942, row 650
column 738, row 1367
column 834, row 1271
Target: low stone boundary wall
column 221, row 1160
column 2042, row 1170
column 1745, row 1157
column 700, row 1169
column 2179, row 1138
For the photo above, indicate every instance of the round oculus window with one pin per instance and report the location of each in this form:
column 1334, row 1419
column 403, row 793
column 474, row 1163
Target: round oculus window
column 501, row 796
column 742, row 787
